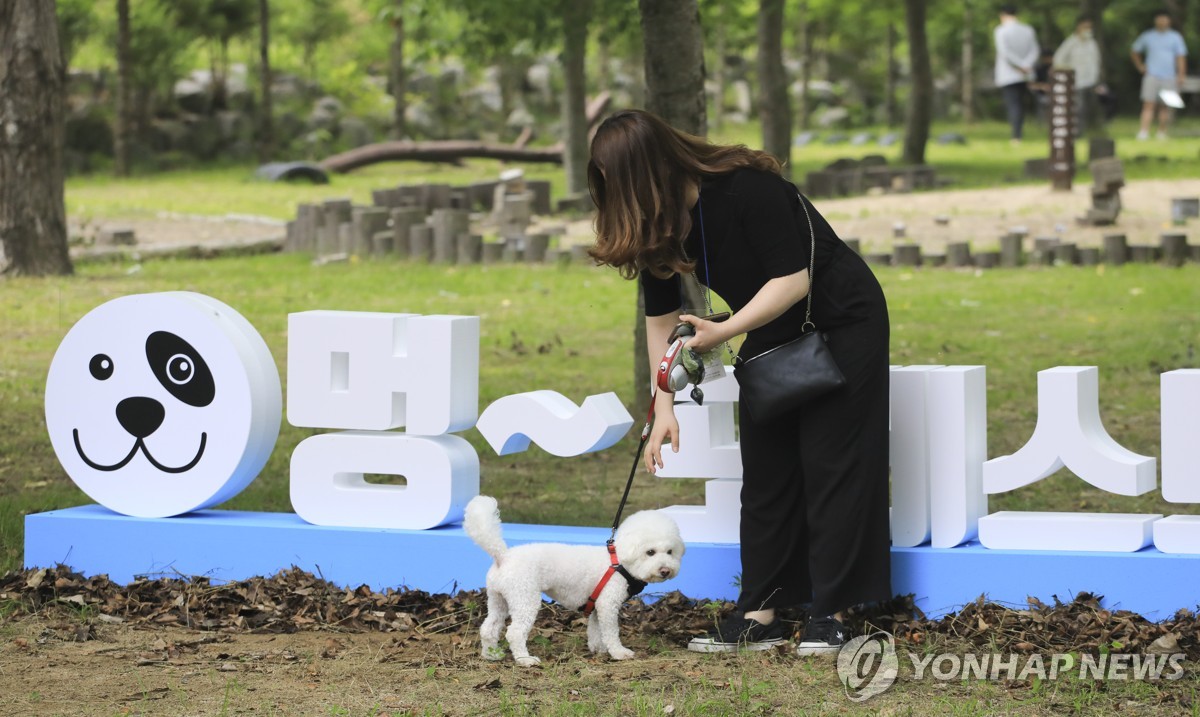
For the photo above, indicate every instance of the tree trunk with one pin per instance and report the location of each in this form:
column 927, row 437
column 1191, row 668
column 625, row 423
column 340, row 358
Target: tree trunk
column 673, row 52
column 674, row 62
column 266, row 136
column 890, row 108
column 575, row 14
column 1094, row 10
column 806, row 32
column 773, row 107
column 33, row 225
column 920, row 101
column 968, row 66
column 398, row 77
column 720, row 73
column 122, row 118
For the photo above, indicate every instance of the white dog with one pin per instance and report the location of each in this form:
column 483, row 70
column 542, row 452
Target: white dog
column 647, row 544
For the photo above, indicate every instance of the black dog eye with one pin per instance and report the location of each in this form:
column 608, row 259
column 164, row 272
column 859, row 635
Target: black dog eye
column 101, row 367
column 180, row 369
column 649, row 552
column 670, row 552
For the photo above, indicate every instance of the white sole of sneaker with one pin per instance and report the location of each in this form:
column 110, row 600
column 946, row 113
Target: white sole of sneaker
column 705, row 646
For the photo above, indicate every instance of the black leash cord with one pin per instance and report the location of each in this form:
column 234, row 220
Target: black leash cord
column 637, row 457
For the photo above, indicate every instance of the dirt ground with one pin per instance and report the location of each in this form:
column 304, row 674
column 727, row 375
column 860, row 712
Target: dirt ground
column 979, row 216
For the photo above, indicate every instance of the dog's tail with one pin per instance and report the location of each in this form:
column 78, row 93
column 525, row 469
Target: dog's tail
column 482, row 524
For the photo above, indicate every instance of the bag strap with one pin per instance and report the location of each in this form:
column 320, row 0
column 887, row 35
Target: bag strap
column 812, row 266
column 704, row 253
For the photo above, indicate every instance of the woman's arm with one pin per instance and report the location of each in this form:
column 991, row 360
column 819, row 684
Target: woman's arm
column 658, row 330
column 775, row 297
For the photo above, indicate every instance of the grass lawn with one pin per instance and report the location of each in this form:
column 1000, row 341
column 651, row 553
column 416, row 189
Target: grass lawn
column 569, row 329
column 986, row 160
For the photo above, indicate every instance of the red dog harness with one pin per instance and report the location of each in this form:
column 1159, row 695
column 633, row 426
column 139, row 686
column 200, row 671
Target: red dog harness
column 635, row 585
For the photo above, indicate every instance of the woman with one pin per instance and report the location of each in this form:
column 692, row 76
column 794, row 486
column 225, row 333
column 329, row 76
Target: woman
column 814, row 516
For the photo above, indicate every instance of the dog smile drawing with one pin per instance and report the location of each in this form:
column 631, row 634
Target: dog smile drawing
column 647, row 544
column 181, row 370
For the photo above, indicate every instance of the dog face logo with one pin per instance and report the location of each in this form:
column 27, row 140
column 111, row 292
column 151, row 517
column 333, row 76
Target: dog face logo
column 161, row 404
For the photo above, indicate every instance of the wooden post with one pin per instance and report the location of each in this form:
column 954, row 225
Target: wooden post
column 1062, row 129
column 934, row 259
column 1089, row 256
column 1043, row 250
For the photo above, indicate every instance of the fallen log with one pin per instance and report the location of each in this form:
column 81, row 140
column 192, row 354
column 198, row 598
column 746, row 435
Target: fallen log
column 436, row 151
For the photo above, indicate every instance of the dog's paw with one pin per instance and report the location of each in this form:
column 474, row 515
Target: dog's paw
column 493, row 653
column 528, row 661
column 595, row 648
column 621, row 653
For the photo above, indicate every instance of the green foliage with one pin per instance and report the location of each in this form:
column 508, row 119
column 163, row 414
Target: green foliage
column 217, row 20
column 309, row 24
column 157, row 46
column 76, row 20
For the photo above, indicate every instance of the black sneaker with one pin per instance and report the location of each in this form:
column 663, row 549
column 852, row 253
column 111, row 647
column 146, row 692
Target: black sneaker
column 737, row 633
column 822, row 636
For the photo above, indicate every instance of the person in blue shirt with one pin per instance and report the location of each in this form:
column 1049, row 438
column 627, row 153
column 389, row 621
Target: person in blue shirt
column 1160, row 54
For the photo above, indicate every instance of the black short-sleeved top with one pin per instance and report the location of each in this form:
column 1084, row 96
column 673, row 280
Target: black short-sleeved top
column 754, row 230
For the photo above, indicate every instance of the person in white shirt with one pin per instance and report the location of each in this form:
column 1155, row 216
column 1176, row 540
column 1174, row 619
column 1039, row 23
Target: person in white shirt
column 1080, row 52
column 1016, row 52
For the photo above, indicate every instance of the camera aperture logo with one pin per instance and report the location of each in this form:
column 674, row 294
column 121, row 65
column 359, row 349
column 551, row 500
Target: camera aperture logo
column 867, row 665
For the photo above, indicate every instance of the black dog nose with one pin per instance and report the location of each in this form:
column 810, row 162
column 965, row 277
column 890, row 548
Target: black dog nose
column 140, row 416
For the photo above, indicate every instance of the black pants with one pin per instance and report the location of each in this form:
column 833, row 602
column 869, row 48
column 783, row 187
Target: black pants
column 1014, row 106
column 814, row 520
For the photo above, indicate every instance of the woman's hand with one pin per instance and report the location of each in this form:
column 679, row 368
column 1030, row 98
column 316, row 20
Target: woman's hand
column 708, row 336
column 665, row 426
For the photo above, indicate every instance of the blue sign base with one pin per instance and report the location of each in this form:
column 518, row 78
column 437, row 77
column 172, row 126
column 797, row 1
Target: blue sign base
column 233, row 545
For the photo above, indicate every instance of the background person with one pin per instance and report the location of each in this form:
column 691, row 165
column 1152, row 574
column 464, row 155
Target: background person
column 1160, row 54
column 814, row 515
column 1080, row 52
column 1016, row 52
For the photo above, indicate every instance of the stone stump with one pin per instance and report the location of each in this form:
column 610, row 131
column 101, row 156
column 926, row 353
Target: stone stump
column 958, row 254
column 493, row 252
column 365, row 223
column 1174, row 249
column 403, row 220
column 987, row 259
column 1066, row 253
column 420, row 242
column 470, row 248
column 1116, row 249
column 535, row 248
column 908, row 254
column 448, row 224
column 1011, row 252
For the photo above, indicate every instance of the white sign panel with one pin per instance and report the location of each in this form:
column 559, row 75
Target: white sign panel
column 162, row 404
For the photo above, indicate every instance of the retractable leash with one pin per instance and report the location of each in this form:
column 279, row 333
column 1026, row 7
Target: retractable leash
column 635, row 585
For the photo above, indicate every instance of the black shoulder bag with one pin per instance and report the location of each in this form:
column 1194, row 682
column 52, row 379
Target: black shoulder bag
column 782, row 379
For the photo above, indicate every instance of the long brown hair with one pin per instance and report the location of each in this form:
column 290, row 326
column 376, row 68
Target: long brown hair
column 638, row 173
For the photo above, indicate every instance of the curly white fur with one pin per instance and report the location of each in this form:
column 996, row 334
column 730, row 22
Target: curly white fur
column 647, row 543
